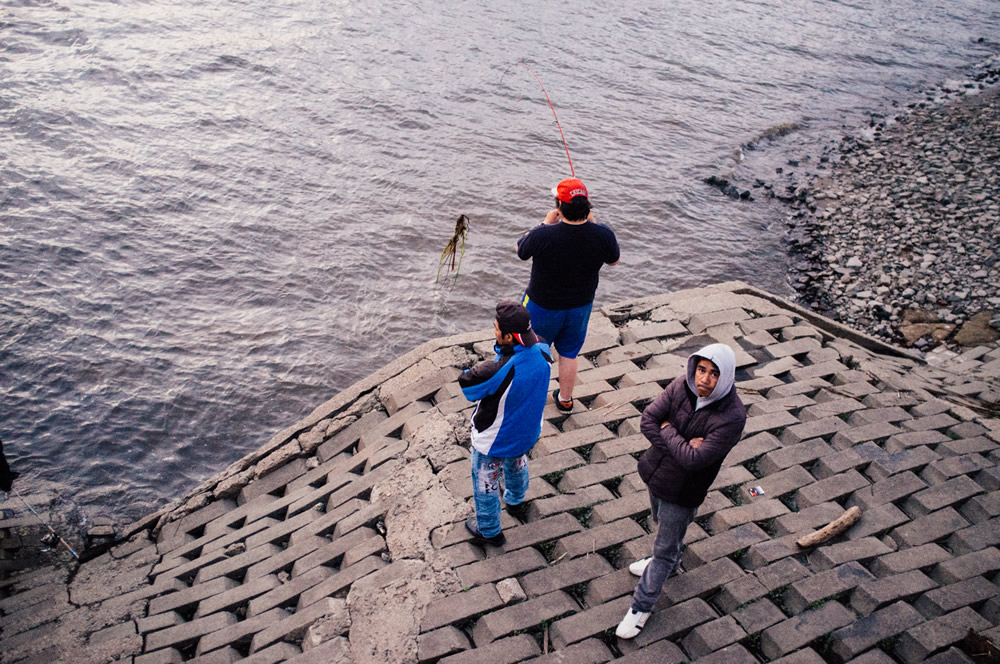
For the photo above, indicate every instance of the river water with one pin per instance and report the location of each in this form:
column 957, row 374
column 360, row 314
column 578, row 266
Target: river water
column 214, row 216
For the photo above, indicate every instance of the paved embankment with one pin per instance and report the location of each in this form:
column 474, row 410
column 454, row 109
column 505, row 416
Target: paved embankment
column 342, row 540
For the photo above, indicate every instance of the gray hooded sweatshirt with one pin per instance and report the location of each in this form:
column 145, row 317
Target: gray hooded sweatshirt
column 672, row 468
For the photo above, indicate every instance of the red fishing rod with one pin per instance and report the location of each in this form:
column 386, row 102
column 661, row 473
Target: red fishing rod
column 561, row 134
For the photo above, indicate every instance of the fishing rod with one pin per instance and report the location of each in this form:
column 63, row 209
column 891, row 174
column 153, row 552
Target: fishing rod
column 39, row 517
column 551, row 106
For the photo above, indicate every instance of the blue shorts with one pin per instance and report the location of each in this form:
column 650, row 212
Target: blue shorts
column 566, row 329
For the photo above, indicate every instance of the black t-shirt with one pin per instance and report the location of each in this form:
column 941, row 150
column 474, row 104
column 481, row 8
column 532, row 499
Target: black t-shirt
column 566, row 260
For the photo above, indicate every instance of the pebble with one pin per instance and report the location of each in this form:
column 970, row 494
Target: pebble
column 906, row 217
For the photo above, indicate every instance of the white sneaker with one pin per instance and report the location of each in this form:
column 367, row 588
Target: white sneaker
column 639, row 566
column 631, row 624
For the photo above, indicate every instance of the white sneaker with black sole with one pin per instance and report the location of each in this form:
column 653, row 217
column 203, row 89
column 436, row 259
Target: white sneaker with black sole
column 631, row 624
column 639, row 566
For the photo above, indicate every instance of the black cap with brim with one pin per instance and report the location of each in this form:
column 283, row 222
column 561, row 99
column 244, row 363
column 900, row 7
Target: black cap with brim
column 515, row 320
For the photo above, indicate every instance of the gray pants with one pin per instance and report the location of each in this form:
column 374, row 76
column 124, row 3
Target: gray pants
column 673, row 521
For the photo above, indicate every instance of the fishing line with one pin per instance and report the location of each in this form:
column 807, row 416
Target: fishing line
column 558, row 124
column 44, row 523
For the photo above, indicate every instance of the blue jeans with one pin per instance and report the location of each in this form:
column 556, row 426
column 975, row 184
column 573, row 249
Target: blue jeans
column 486, row 472
column 673, row 521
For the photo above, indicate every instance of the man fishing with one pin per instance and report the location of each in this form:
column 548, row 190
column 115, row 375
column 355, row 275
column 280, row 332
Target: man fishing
column 7, row 476
column 567, row 252
column 691, row 427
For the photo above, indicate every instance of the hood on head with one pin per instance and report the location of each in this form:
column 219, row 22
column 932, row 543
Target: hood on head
column 721, row 356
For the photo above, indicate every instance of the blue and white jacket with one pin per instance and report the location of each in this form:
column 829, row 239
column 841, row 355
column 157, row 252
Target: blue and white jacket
column 511, row 390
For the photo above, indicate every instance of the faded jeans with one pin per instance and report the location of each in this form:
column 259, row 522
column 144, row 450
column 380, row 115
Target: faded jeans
column 486, row 473
column 673, row 521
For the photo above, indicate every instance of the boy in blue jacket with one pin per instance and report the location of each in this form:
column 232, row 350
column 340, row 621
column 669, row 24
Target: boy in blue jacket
column 511, row 390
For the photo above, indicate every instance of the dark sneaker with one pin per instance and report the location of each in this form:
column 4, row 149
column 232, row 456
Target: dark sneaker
column 479, row 538
column 564, row 406
column 519, row 512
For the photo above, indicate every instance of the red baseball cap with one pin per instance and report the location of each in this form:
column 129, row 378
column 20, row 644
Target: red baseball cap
column 569, row 188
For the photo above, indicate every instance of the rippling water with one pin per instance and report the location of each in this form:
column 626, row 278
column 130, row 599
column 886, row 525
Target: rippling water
column 217, row 215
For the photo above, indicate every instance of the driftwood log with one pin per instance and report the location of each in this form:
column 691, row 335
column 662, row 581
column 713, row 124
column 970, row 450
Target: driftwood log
column 832, row 529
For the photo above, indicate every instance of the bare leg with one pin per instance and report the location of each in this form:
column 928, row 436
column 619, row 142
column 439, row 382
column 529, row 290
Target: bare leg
column 567, row 377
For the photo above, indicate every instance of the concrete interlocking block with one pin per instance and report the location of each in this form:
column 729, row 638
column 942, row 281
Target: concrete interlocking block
column 799, row 630
column 712, row 636
column 184, row 635
column 975, row 538
column 810, row 386
column 564, row 575
column 809, row 656
column 350, row 435
column 294, row 627
column 637, row 331
column 902, row 441
column 955, row 490
column 815, row 429
column 230, row 599
column 917, row 643
column 642, row 393
column 799, row 346
column 591, row 651
column 701, row 581
column 194, row 520
column 889, row 414
column 758, row 616
column 829, row 407
column 571, row 439
column 595, row 473
column 779, row 484
column 637, row 352
column 307, row 556
column 287, row 594
column 189, row 597
column 440, row 643
column 669, row 622
column 765, row 553
column 844, row 460
column 982, row 562
column 982, row 508
column 885, row 491
column 830, row 489
column 723, row 544
column 974, row 590
column 601, row 417
column 851, row 641
column 511, row 619
column 505, row 651
column 585, row 497
column 828, row 557
column 738, row 592
column 731, row 476
column 541, row 530
column 735, row 516
column 240, row 633
column 237, row 565
column 494, row 569
column 419, row 389
column 777, row 368
column 941, row 471
column 939, row 421
column 631, row 505
column 832, row 582
column 769, row 422
column 977, row 445
column 540, row 466
column 829, row 368
column 700, row 322
column 588, row 623
column 609, row 449
column 930, row 528
column 340, row 581
column 781, row 573
column 855, row 435
column 913, row 459
column 807, row 519
column 460, row 606
column 877, row 521
column 598, row 538
column 916, row 557
column 751, row 447
column 159, row 621
column 871, row 595
column 786, row 457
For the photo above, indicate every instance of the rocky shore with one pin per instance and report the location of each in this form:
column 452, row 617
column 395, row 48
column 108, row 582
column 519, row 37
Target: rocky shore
column 897, row 230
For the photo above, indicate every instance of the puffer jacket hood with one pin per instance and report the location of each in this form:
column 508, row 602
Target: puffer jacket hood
column 724, row 359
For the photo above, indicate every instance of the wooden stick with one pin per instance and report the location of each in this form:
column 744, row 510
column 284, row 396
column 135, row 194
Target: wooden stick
column 832, row 529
